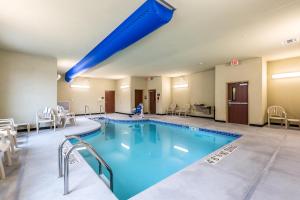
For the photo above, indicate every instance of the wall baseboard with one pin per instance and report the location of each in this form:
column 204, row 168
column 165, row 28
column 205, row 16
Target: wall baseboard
column 222, row 121
column 257, row 125
column 204, row 117
column 123, row 113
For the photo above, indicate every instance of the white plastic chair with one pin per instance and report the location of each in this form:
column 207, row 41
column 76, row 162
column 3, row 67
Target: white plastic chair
column 185, row 110
column 46, row 117
column 2, row 171
column 277, row 113
column 65, row 116
column 8, row 132
column 172, row 108
column 5, row 152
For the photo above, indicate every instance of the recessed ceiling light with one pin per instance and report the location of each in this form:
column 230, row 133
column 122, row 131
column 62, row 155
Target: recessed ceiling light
column 290, row 41
column 200, row 63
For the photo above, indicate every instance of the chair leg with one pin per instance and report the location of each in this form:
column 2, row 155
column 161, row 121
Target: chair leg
column 2, row 172
column 269, row 122
column 8, row 157
column 65, row 123
column 37, row 127
column 12, row 146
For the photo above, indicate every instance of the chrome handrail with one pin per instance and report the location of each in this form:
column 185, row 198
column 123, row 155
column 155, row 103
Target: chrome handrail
column 60, row 158
column 92, row 150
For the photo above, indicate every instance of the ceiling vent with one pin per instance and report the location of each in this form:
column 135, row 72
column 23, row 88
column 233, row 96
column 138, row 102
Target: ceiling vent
column 290, row 41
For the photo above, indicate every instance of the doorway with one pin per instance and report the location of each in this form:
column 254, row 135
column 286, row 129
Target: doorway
column 152, row 101
column 138, row 96
column 110, row 101
column 238, row 103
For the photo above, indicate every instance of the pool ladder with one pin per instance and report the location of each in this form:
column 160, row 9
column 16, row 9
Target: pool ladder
column 65, row 161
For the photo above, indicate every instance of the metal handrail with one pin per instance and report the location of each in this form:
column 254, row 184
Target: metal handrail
column 92, row 150
column 87, row 110
column 60, row 158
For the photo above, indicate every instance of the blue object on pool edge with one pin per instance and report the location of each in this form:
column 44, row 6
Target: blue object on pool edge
column 146, row 19
column 145, row 152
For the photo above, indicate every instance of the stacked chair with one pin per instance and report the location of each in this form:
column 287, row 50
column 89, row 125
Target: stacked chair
column 8, row 143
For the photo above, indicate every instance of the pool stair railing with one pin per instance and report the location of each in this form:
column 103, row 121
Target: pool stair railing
column 64, row 161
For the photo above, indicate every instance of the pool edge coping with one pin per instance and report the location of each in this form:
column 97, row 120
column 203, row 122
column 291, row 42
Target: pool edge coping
column 237, row 137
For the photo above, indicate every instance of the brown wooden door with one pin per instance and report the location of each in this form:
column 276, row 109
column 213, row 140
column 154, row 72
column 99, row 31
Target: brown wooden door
column 238, row 103
column 109, row 101
column 152, row 101
column 138, row 97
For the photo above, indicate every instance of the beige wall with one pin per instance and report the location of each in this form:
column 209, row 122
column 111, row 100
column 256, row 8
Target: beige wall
column 252, row 71
column 27, row 84
column 123, row 96
column 285, row 92
column 201, row 90
column 79, row 97
column 166, row 94
column 139, row 83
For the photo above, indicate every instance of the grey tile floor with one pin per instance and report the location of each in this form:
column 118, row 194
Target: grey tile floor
column 265, row 166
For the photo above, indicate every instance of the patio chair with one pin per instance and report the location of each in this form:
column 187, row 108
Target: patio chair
column 66, row 116
column 172, row 108
column 15, row 126
column 184, row 111
column 7, row 130
column 46, row 117
column 10, row 138
column 5, row 153
column 277, row 113
column 2, row 171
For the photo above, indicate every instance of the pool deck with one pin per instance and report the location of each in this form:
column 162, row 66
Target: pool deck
column 265, row 166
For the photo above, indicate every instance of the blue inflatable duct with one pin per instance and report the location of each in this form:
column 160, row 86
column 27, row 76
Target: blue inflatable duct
column 146, row 19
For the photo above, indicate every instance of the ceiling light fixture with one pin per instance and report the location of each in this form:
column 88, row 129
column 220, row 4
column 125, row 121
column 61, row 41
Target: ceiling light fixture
column 290, row 41
column 185, row 85
column 286, row 75
column 124, row 86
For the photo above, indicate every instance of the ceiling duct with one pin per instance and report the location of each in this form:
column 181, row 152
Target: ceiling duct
column 147, row 18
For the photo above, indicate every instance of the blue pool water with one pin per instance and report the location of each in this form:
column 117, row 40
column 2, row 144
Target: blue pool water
column 144, row 153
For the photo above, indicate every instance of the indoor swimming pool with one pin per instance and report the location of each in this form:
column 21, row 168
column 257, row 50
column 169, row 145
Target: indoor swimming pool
column 145, row 152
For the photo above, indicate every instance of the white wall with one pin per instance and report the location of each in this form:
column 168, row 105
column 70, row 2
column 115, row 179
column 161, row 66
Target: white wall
column 123, row 96
column 200, row 90
column 27, row 84
column 285, row 92
column 79, row 97
column 253, row 71
column 166, row 94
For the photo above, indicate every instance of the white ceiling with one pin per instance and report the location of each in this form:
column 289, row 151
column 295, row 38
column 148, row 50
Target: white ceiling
column 202, row 31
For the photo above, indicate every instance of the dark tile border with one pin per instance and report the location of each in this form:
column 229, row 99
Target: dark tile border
column 236, row 135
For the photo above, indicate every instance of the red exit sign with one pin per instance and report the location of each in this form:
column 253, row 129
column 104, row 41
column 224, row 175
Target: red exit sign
column 234, row 62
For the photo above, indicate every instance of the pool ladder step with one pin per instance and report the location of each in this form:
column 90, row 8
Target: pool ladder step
column 64, row 161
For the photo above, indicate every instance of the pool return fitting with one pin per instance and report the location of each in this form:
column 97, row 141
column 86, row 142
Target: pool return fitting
column 64, row 161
